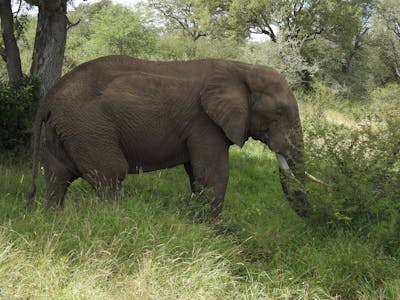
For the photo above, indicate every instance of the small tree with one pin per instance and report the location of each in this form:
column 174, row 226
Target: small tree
column 118, row 30
column 390, row 11
column 184, row 15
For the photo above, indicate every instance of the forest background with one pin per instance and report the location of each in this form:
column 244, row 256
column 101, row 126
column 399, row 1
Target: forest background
column 341, row 58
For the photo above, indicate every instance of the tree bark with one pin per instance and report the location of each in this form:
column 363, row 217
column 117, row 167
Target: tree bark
column 10, row 52
column 50, row 40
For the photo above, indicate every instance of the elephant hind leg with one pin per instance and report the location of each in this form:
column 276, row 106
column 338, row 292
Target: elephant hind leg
column 58, row 178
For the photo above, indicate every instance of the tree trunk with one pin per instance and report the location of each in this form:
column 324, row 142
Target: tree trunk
column 10, row 52
column 51, row 35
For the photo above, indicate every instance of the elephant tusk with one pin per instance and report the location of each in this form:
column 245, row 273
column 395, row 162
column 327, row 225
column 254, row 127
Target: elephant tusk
column 283, row 165
column 315, row 179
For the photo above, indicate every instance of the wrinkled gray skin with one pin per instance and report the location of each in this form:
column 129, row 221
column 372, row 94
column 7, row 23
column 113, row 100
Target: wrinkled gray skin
column 118, row 115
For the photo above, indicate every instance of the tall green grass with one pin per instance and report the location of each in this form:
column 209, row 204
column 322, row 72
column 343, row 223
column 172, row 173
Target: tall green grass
column 153, row 245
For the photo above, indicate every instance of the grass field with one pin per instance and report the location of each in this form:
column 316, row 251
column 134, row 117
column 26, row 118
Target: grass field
column 155, row 245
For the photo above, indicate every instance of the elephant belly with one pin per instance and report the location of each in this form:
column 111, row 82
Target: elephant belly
column 150, row 157
column 150, row 137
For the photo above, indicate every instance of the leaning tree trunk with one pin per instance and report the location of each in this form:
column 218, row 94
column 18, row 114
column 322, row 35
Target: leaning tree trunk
column 10, row 52
column 51, row 35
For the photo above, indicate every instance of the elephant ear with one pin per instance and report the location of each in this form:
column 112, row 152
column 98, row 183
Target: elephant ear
column 225, row 99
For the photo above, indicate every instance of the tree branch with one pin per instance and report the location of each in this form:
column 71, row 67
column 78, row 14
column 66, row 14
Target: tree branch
column 33, row 2
column 19, row 9
column 268, row 31
column 199, row 35
column 181, row 17
column 396, row 29
column 70, row 24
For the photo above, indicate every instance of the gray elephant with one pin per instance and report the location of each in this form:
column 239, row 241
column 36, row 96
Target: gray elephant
column 118, row 115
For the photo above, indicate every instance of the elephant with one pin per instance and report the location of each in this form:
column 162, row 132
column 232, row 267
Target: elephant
column 118, row 115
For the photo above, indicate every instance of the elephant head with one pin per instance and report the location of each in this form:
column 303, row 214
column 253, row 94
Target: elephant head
column 255, row 101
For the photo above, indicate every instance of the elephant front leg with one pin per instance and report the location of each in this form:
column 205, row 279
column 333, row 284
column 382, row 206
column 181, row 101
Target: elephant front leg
column 210, row 171
column 212, row 178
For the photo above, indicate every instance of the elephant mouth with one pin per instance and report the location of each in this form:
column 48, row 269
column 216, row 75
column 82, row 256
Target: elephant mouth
column 261, row 136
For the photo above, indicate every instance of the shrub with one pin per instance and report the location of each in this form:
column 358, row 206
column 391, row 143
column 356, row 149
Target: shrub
column 363, row 169
column 17, row 104
column 362, row 165
column 385, row 99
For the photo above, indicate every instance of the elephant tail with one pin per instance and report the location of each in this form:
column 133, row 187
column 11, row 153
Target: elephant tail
column 37, row 129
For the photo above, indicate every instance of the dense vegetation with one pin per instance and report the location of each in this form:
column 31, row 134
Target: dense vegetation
column 342, row 59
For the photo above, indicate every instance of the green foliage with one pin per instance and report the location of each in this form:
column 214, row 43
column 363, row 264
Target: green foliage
column 17, row 106
column 189, row 17
column 360, row 159
column 390, row 11
column 108, row 29
column 385, row 58
column 219, row 48
column 173, row 46
column 285, row 57
column 343, row 49
column 118, row 30
column 294, row 21
column 104, row 30
column 385, row 100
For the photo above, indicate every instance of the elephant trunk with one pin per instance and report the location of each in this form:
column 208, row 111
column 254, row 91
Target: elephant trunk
column 293, row 175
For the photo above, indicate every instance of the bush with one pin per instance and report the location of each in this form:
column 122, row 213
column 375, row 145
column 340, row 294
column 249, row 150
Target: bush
column 17, row 106
column 357, row 151
column 385, row 99
column 111, row 35
column 363, row 169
